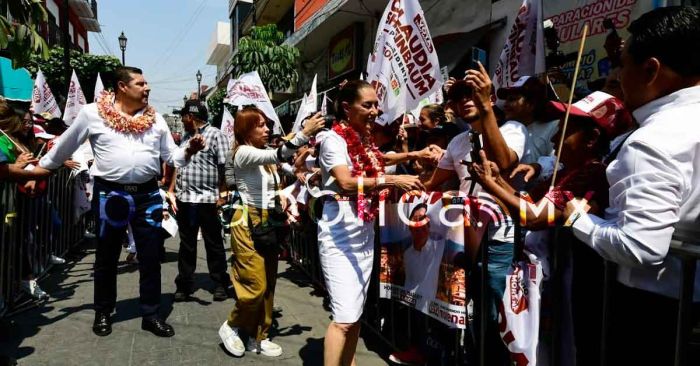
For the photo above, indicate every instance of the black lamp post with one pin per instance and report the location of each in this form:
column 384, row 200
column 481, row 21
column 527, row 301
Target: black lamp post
column 199, row 84
column 122, row 45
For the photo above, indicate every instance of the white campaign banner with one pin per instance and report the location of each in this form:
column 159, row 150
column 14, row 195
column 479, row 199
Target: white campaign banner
column 75, row 101
column 309, row 105
column 42, row 97
column 99, row 87
column 519, row 310
column 523, row 53
column 249, row 89
column 422, row 265
column 403, row 66
column 227, row 122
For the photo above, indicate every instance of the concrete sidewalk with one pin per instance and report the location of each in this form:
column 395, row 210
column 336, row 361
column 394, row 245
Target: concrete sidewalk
column 59, row 332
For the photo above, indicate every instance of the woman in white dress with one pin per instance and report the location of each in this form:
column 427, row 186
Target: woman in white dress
column 352, row 171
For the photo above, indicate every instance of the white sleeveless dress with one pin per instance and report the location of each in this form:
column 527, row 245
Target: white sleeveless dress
column 346, row 244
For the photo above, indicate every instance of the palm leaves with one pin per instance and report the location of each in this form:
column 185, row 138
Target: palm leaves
column 263, row 51
column 20, row 36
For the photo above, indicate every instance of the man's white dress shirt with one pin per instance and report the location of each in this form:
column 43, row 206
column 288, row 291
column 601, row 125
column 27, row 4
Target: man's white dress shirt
column 654, row 190
column 119, row 157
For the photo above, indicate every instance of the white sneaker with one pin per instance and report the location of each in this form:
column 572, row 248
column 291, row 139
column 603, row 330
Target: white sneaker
column 32, row 288
column 56, row 260
column 232, row 342
column 89, row 235
column 264, row 347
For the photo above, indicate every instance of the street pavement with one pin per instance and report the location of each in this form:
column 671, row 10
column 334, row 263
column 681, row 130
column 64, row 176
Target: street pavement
column 58, row 332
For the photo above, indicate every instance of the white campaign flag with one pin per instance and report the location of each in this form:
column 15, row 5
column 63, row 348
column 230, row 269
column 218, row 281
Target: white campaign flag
column 249, row 89
column 309, row 105
column 523, row 53
column 42, row 97
column 75, row 101
column 403, row 67
column 227, row 125
column 99, row 87
column 324, row 104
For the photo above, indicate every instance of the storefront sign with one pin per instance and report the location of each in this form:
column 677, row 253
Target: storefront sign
column 341, row 53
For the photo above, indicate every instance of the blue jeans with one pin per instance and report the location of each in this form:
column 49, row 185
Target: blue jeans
column 500, row 257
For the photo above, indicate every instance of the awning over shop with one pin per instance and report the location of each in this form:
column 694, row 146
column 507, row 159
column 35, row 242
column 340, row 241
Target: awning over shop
column 15, row 84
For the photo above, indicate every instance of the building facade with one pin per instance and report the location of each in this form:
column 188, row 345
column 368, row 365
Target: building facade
column 82, row 19
column 335, row 36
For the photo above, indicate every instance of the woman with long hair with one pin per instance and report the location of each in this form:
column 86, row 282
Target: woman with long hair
column 254, row 236
column 352, row 169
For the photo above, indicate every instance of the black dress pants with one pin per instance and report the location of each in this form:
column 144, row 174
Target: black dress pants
column 190, row 218
column 116, row 206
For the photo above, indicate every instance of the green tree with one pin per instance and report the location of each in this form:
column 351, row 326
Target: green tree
column 216, row 107
column 86, row 66
column 263, row 51
column 19, row 37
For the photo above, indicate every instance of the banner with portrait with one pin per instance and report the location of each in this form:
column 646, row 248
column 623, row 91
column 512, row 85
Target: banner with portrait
column 423, row 256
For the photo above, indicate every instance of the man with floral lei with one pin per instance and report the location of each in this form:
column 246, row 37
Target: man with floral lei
column 128, row 139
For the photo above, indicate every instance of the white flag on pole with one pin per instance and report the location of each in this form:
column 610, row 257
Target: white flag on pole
column 324, row 104
column 42, row 97
column 227, row 125
column 523, row 53
column 75, row 101
column 308, row 106
column 98, row 87
column 249, row 89
column 403, row 67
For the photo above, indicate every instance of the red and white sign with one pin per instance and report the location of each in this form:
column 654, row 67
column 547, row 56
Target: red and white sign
column 309, row 105
column 227, row 125
column 42, row 97
column 249, row 89
column 403, row 66
column 75, row 102
column 519, row 311
column 523, row 53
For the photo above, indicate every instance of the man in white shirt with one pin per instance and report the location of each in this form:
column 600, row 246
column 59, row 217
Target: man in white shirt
column 472, row 100
column 654, row 186
column 128, row 140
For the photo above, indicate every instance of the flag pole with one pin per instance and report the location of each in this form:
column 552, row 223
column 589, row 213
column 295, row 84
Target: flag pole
column 568, row 106
column 13, row 142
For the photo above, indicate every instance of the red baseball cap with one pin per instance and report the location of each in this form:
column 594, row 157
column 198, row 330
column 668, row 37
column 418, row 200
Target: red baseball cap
column 608, row 112
column 41, row 133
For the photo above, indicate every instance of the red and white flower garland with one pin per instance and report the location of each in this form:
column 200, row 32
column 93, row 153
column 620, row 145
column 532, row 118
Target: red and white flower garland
column 120, row 122
column 367, row 161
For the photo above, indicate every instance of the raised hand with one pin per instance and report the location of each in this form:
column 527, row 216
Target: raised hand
column 529, row 170
column 313, row 125
column 481, row 84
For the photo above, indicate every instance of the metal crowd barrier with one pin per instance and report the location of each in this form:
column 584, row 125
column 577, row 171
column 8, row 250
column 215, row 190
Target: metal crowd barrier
column 394, row 323
column 31, row 229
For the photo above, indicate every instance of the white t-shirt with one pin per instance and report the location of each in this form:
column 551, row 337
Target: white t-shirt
column 333, row 153
column 422, row 266
column 515, row 134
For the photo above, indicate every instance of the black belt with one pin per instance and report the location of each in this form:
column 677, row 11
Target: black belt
column 147, row 187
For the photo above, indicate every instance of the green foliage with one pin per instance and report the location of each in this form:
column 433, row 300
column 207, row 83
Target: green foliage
column 20, row 37
column 262, row 51
column 215, row 103
column 85, row 65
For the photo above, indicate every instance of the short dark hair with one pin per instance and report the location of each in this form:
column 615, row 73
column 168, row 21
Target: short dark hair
column 436, row 113
column 123, row 74
column 349, row 92
column 670, row 34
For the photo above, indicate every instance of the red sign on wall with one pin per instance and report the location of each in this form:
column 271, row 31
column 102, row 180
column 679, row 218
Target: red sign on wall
column 304, row 10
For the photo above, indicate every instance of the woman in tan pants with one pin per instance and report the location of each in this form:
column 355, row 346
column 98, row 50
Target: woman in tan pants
column 252, row 170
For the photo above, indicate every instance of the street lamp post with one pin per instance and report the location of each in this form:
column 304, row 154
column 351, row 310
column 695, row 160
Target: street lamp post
column 122, row 45
column 199, row 84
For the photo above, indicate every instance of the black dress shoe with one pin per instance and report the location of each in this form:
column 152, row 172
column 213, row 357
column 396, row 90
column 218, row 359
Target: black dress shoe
column 220, row 294
column 102, row 325
column 157, row 327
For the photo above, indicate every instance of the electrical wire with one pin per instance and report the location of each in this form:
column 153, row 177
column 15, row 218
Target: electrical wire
column 165, row 56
